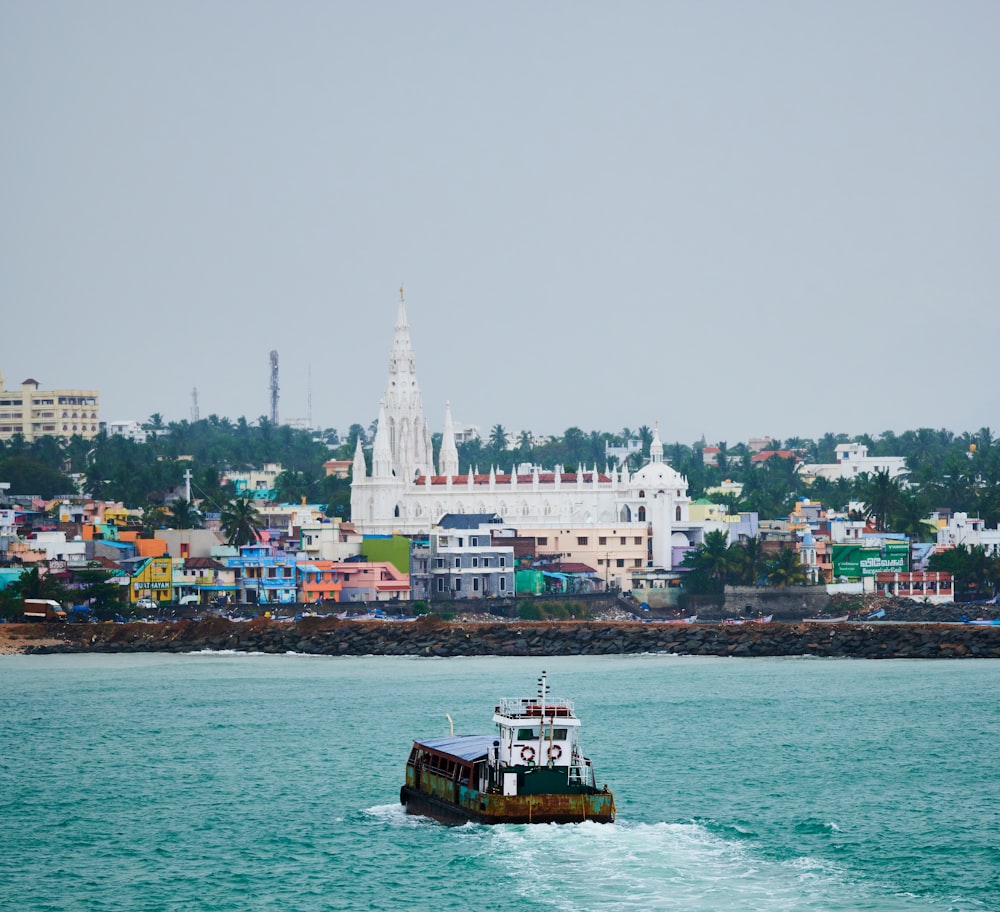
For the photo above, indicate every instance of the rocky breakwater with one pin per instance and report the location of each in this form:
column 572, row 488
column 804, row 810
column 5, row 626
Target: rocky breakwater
column 434, row 637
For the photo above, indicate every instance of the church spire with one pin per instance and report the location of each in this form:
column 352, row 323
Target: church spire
column 381, row 452
column 409, row 438
column 656, row 448
column 449, row 452
column 360, row 469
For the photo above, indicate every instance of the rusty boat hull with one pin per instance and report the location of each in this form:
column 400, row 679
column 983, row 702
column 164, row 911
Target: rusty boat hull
column 479, row 807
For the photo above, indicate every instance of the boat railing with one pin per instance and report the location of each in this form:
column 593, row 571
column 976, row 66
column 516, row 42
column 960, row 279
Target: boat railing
column 515, row 707
column 581, row 771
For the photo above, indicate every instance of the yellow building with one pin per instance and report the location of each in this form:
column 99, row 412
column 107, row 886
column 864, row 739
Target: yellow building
column 35, row 413
column 153, row 578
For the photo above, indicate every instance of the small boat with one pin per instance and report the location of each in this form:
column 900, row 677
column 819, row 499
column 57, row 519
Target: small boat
column 827, row 620
column 687, row 620
column 984, row 622
column 531, row 770
column 875, row 615
column 737, row 621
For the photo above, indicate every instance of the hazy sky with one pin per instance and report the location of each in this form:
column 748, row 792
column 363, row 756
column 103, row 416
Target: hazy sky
column 733, row 219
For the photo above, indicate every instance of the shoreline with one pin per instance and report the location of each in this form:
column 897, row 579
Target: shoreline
column 438, row 638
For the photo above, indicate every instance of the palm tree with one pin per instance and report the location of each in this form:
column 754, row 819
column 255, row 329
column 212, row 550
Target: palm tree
column 785, row 569
column 241, row 521
column 880, row 494
column 910, row 516
column 646, row 436
column 525, row 444
column 498, row 440
column 749, row 558
column 184, row 514
column 32, row 584
column 292, row 486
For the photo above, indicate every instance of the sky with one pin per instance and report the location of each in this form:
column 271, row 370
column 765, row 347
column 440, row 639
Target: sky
column 725, row 219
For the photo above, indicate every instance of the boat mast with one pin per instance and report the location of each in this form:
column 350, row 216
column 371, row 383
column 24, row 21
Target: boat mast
column 543, row 689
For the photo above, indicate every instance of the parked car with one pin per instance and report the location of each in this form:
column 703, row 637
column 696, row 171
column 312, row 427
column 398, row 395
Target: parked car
column 146, row 604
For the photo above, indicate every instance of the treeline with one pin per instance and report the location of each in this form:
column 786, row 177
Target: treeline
column 960, row 472
column 139, row 474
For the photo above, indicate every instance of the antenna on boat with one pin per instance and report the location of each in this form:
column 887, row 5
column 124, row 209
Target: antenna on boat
column 451, row 725
column 543, row 687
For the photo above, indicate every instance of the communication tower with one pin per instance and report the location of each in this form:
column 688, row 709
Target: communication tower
column 195, row 414
column 274, row 386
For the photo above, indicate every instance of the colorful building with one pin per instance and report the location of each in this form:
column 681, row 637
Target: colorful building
column 153, row 578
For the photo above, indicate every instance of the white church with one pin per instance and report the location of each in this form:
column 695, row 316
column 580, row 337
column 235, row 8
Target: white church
column 404, row 493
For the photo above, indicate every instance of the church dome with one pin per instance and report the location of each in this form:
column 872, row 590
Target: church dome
column 656, row 473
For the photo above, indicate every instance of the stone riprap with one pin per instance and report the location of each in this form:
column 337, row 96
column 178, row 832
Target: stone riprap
column 434, row 637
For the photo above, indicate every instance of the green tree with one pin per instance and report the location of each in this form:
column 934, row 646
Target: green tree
column 880, row 494
column 31, row 584
column 709, row 563
column 292, row 486
column 241, row 522
column 910, row 516
column 785, row 569
column 498, row 438
column 27, row 475
column 154, row 517
column 98, row 591
column 749, row 559
column 975, row 571
column 184, row 515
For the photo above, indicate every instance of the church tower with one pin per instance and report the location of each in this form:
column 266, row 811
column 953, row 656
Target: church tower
column 409, row 439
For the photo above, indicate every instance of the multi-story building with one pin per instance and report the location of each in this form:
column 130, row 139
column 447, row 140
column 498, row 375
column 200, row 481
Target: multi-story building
column 33, row 413
column 264, row 575
column 465, row 562
column 618, row 553
column 152, row 578
column 853, row 460
column 129, row 429
column 970, row 531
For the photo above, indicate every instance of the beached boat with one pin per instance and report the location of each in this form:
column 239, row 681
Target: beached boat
column 530, row 770
column 736, row 621
column 837, row 620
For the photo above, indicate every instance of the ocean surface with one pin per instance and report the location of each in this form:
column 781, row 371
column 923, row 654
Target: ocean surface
column 229, row 782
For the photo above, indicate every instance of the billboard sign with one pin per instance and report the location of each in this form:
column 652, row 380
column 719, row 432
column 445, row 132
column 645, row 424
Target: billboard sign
column 854, row 562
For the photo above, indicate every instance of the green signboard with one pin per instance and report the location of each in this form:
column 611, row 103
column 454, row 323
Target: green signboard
column 855, row 561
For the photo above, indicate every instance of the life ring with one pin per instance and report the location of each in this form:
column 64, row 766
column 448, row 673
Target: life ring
column 555, row 752
column 527, row 753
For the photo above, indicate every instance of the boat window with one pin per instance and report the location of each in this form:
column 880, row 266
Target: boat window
column 531, row 734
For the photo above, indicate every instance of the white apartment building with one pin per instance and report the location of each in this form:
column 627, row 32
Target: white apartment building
column 853, row 460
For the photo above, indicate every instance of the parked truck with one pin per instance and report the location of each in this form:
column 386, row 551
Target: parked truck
column 44, row 610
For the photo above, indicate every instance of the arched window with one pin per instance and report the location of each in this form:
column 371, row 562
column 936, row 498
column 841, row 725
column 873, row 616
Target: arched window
column 677, row 514
column 642, row 495
column 396, row 512
column 642, row 514
column 626, row 514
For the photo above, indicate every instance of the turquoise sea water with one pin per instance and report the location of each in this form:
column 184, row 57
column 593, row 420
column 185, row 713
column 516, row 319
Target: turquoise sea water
column 237, row 782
